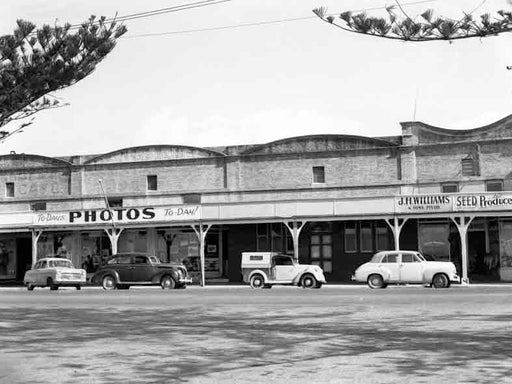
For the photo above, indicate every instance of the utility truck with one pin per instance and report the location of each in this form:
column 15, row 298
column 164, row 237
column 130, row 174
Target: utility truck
column 264, row 269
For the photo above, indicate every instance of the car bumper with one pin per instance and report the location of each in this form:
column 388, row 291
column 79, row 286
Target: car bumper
column 455, row 278
column 185, row 280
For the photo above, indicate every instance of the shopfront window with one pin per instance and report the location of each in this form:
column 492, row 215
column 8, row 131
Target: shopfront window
column 350, row 238
column 7, row 259
column 365, row 237
column 59, row 244
column 506, row 244
column 433, row 240
column 95, row 250
column 382, row 238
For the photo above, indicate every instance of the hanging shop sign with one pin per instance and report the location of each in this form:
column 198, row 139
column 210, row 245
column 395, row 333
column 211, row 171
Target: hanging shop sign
column 119, row 215
column 453, row 203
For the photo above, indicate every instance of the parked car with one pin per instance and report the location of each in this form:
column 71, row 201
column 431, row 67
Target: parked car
column 126, row 269
column 408, row 267
column 54, row 272
column 264, row 269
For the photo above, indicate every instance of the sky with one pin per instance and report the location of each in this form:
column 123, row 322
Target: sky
column 164, row 84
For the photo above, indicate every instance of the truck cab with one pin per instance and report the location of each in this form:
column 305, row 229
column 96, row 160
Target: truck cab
column 264, row 269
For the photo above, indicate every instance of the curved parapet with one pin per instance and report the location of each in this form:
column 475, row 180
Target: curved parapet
column 153, row 153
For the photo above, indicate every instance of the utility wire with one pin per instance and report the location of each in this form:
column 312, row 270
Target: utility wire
column 258, row 23
column 161, row 11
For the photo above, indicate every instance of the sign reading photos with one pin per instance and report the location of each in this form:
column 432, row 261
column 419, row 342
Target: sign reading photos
column 119, row 215
column 453, row 203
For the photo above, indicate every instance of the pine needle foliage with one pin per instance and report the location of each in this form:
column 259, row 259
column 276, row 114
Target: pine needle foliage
column 34, row 62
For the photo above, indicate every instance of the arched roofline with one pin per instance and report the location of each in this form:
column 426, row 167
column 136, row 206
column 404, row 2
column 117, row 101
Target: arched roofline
column 380, row 143
column 130, row 149
column 458, row 132
column 18, row 156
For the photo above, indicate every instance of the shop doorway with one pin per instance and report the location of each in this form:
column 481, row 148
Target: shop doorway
column 479, row 268
column 24, row 257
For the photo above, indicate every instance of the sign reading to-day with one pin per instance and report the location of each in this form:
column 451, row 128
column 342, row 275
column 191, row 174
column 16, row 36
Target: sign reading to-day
column 119, row 215
column 453, row 203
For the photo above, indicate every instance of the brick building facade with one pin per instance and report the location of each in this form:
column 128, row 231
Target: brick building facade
column 331, row 200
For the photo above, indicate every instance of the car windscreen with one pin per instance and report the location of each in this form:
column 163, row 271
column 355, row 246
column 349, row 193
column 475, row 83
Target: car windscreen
column 60, row 263
column 154, row 260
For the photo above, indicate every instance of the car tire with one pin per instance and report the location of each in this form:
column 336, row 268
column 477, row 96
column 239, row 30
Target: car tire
column 318, row 285
column 167, row 282
column 108, row 283
column 308, row 281
column 78, row 287
column 30, row 287
column 440, row 280
column 257, row 281
column 375, row 281
column 49, row 283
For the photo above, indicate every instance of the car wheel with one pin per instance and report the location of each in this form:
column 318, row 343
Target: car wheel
column 318, row 285
column 168, row 282
column 108, row 283
column 257, row 281
column 308, row 281
column 440, row 280
column 376, row 281
column 49, row 283
column 78, row 287
column 30, row 287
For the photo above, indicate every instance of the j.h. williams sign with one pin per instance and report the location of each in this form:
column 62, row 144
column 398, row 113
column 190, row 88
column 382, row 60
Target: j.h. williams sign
column 453, row 203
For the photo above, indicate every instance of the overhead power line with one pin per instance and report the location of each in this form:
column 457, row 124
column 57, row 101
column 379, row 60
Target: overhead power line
column 258, row 23
column 160, row 11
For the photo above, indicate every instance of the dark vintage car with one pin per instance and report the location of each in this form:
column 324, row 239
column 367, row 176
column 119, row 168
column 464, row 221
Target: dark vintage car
column 126, row 269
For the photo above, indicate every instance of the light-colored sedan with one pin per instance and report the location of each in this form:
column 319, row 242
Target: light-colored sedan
column 54, row 272
column 405, row 267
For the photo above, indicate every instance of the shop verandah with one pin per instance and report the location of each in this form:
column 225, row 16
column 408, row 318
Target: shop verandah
column 477, row 241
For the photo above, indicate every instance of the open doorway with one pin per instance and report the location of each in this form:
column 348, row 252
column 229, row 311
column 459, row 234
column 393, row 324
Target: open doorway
column 23, row 257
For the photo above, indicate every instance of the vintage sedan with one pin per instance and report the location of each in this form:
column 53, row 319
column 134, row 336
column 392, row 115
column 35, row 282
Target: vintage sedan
column 126, row 269
column 405, row 267
column 54, row 272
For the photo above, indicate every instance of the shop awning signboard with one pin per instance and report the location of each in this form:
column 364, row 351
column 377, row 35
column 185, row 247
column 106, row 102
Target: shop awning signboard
column 467, row 202
column 135, row 215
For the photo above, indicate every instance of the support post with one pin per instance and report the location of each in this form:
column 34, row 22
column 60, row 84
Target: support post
column 396, row 227
column 113, row 234
column 463, row 223
column 36, row 234
column 295, row 232
column 201, row 235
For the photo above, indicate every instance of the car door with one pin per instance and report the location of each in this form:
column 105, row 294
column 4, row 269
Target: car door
column 411, row 270
column 122, row 264
column 391, row 262
column 142, row 269
column 283, row 268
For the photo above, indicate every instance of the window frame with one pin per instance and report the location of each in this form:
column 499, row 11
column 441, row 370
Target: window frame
column 496, row 182
column 451, row 184
column 9, row 189
column 151, row 183
column 318, row 178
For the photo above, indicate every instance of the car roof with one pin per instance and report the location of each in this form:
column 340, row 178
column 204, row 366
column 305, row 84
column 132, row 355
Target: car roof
column 54, row 258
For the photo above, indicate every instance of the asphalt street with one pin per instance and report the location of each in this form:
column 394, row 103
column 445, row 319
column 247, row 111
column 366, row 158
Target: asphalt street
column 232, row 334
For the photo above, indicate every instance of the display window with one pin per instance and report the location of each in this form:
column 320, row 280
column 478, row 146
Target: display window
column 7, row 259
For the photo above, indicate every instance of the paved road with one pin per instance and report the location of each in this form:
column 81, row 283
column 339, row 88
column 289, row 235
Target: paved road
column 338, row 334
